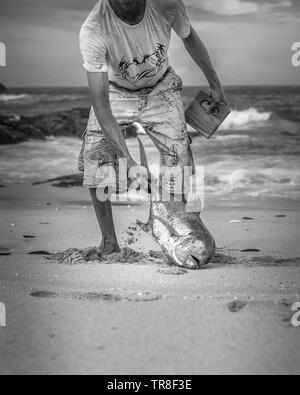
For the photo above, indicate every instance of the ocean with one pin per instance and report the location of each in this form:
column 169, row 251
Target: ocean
column 255, row 154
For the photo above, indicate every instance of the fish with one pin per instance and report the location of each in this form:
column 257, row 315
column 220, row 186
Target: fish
column 181, row 234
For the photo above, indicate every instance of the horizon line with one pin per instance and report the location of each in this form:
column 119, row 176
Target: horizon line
column 185, row 86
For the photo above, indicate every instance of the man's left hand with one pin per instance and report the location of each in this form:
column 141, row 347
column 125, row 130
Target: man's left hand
column 218, row 97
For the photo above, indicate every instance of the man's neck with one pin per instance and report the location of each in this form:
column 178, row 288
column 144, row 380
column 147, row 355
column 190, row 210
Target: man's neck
column 129, row 11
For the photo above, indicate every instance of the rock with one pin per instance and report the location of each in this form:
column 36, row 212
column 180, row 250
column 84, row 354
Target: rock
column 3, row 89
column 69, row 181
column 67, row 123
column 15, row 129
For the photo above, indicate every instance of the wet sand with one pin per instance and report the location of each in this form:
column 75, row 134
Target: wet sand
column 233, row 317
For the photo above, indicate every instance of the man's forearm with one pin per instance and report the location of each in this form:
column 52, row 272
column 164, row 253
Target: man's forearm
column 99, row 86
column 111, row 129
column 200, row 55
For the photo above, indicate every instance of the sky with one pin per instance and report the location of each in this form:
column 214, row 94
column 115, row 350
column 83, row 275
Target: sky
column 249, row 41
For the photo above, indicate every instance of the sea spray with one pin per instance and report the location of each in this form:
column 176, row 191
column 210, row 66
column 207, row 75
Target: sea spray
column 244, row 119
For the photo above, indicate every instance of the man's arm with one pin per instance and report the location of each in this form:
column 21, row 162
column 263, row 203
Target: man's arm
column 99, row 87
column 200, row 55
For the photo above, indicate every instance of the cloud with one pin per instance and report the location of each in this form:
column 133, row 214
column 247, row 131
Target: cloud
column 249, row 41
column 238, row 7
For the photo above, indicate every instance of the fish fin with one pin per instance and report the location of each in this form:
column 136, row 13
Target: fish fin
column 144, row 163
column 144, row 160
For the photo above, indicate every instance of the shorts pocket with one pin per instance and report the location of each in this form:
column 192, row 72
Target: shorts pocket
column 173, row 81
column 92, row 144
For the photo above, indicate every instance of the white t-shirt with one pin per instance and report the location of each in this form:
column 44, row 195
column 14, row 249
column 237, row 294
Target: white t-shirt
column 136, row 56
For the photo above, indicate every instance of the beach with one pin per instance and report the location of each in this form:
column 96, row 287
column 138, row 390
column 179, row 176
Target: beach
column 207, row 277
column 232, row 317
column 132, row 313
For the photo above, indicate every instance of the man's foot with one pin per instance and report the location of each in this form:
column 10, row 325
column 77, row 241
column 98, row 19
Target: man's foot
column 109, row 247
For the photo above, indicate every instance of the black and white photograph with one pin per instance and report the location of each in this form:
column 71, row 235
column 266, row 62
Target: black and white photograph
column 149, row 190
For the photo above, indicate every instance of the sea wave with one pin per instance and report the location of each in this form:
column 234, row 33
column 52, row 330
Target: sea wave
column 8, row 97
column 40, row 98
column 226, row 176
column 249, row 118
column 253, row 177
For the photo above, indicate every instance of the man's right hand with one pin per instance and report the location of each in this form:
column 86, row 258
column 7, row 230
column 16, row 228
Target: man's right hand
column 138, row 175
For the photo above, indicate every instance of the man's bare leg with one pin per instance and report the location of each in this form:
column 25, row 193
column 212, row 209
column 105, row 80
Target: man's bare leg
column 104, row 215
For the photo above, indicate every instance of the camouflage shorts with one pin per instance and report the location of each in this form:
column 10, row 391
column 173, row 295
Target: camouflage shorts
column 158, row 110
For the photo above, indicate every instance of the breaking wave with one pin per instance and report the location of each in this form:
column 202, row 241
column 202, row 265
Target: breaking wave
column 245, row 119
column 7, row 97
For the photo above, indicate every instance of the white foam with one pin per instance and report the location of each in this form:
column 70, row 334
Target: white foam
column 7, row 97
column 226, row 175
column 245, row 119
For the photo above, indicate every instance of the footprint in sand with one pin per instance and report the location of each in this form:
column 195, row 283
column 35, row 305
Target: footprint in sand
column 222, row 259
column 44, row 294
column 99, row 296
column 96, row 297
column 270, row 261
column 143, row 297
column 5, row 251
column 172, row 271
column 40, row 252
column 82, row 296
column 236, row 306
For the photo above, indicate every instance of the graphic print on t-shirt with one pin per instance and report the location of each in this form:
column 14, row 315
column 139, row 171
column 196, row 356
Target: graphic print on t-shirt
column 149, row 65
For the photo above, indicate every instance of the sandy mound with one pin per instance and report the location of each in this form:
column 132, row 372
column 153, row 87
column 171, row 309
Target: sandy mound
column 91, row 255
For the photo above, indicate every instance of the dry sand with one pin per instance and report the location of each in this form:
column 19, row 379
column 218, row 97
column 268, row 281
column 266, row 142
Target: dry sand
column 233, row 317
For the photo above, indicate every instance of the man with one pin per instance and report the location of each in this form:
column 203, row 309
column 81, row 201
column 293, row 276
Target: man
column 125, row 45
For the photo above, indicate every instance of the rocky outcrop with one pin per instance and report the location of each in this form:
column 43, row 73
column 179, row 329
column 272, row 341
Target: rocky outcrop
column 3, row 89
column 16, row 129
column 69, row 181
column 68, row 123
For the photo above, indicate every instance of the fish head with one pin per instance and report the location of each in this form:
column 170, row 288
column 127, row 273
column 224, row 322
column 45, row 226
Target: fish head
column 193, row 253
